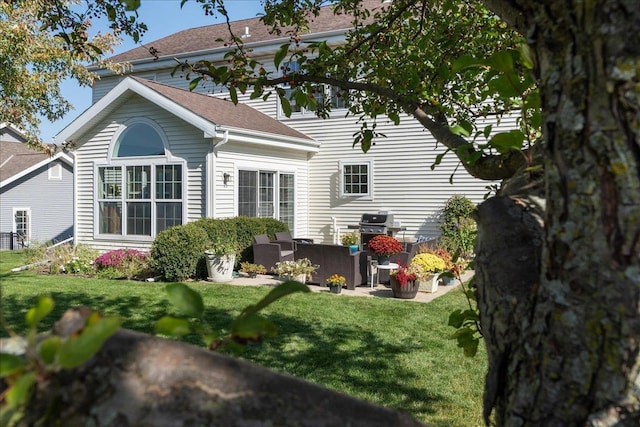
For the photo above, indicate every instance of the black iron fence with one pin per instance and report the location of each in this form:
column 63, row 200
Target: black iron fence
column 11, row 241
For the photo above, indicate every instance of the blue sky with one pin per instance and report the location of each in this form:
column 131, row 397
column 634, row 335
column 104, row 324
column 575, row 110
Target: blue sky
column 163, row 17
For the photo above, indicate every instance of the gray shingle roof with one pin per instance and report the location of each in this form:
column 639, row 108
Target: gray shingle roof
column 16, row 157
column 222, row 112
column 205, row 38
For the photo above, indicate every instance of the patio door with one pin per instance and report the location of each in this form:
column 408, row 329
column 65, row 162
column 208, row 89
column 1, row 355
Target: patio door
column 266, row 194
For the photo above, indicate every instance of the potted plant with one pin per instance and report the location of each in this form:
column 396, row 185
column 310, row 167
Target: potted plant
column 252, row 270
column 351, row 239
column 336, row 282
column 424, row 267
column 299, row 270
column 221, row 256
column 448, row 261
column 403, row 283
column 384, row 246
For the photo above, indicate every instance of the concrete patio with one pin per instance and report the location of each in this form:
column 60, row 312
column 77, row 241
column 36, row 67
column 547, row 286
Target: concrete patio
column 379, row 290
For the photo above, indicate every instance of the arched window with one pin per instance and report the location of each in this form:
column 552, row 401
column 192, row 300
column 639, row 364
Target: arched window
column 140, row 190
column 139, row 139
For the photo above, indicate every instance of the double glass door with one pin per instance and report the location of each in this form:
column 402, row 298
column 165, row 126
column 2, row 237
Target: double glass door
column 266, row 194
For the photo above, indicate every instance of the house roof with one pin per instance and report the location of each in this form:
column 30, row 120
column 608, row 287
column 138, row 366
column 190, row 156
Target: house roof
column 17, row 159
column 206, row 38
column 214, row 116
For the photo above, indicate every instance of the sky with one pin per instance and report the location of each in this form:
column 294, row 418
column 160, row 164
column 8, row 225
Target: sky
column 163, row 17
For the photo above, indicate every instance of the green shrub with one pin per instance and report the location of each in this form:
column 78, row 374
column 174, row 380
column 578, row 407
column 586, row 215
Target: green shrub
column 458, row 227
column 71, row 259
column 246, row 228
column 177, row 253
column 274, row 226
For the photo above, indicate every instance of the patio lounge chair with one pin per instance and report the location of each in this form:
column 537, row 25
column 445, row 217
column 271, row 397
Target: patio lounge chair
column 267, row 253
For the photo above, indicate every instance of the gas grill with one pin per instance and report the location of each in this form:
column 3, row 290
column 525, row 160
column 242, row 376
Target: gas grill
column 373, row 224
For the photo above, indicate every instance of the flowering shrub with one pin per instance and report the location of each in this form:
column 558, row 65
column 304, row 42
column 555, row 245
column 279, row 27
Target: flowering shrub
column 445, row 255
column 403, row 275
column 295, row 268
column 252, row 269
column 422, row 265
column 123, row 263
column 384, row 245
column 69, row 259
column 336, row 280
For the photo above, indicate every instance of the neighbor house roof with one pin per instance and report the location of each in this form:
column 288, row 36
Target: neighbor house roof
column 214, row 116
column 253, row 30
column 17, row 159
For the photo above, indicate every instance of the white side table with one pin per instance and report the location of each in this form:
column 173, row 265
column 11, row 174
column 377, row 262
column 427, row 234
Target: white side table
column 375, row 267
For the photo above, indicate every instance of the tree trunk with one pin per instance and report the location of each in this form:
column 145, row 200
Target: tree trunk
column 141, row 380
column 564, row 344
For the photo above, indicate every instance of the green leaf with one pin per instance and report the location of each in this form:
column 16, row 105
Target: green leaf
column 172, row 326
column 286, row 288
column 20, row 391
column 487, row 130
column 467, row 61
column 463, row 128
column 131, row 5
column 10, row 364
column 39, row 312
column 234, row 94
column 286, row 106
column 507, row 141
column 194, row 83
column 280, row 55
column 75, row 351
column 502, row 61
column 49, row 348
column 185, row 299
column 253, row 327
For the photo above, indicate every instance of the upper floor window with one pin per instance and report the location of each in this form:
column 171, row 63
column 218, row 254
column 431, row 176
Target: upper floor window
column 356, row 178
column 139, row 139
column 337, row 97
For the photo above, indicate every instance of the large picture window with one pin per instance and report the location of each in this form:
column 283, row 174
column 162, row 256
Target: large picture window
column 266, row 194
column 149, row 197
column 140, row 193
column 356, row 179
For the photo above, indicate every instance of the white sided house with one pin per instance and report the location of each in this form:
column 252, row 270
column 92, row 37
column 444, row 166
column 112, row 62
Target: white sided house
column 151, row 154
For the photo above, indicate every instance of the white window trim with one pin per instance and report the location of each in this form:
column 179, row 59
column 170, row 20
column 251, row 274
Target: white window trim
column 55, row 171
column 14, row 227
column 361, row 196
column 116, row 136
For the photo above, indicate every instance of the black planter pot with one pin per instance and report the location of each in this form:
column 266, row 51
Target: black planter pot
column 384, row 259
column 335, row 289
column 408, row 291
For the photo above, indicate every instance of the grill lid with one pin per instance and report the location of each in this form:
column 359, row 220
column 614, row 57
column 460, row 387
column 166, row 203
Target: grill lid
column 383, row 219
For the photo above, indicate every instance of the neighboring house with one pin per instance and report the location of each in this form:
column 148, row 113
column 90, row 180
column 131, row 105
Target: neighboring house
column 36, row 191
column 225, row 160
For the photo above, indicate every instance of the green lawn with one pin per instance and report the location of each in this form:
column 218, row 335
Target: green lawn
column 390, row 352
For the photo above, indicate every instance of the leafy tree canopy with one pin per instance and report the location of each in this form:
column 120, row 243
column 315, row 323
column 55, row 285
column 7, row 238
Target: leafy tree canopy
column 43, row 42
column 446, row 63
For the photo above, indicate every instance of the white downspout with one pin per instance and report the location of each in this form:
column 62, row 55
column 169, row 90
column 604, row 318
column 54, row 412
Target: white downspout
column 224, row 140
column 211, row 172
column 336, row 231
